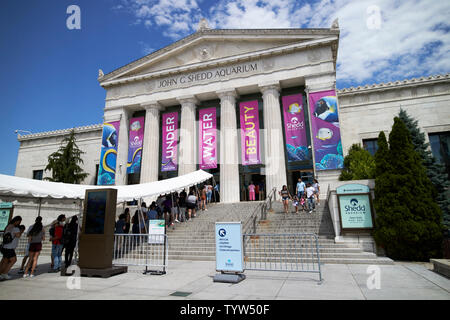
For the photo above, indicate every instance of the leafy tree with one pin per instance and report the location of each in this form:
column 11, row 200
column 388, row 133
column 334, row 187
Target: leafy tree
column 435, row 171
column 64, row 163
column 358, row 164
column 408, row 220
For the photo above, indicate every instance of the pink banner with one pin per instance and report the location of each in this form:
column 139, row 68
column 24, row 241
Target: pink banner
column 249, row 117
column 135, row 142
column 294, row 128
column 207, row 138
column 169, row 142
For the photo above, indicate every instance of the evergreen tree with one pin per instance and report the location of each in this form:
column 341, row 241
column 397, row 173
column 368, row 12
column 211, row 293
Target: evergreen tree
column 408, row 220
column 435, row 171
column 64, row 163
column 358, row 164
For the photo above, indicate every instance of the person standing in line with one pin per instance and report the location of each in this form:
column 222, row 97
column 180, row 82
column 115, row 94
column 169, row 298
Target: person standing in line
column 127, row 221
column 135, row 223
column 209, row 192
column 285, row 196
column 57, row 243
column 36, row 235
column 51, row 232
column 257, row 191
column 8, row 250
column 217, row 192
column 70, row 240
column 203, row 199
column 190, row 204
column 316, row 191
column 310, row 197
column 251, row 191
column 261, row 191
column 182, row 205
column 300, row 188
column 120, row 225
column 144, row 219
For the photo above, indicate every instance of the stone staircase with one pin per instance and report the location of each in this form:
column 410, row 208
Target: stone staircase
column 195, row 239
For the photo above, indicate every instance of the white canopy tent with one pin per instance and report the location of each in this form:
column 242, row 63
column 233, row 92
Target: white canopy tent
column 23, row 187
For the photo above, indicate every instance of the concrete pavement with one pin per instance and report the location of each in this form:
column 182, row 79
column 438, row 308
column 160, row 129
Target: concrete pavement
column 401, row 281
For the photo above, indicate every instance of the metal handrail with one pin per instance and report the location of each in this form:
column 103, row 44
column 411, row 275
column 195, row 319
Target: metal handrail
column 250, row 223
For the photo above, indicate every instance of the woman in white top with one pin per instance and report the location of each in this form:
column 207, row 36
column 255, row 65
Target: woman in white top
column 8, row 250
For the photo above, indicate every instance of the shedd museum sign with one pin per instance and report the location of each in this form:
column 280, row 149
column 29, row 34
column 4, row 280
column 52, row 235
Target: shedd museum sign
column 214, row 74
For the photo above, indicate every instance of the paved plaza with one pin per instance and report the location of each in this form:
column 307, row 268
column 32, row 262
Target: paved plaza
column 401, row 281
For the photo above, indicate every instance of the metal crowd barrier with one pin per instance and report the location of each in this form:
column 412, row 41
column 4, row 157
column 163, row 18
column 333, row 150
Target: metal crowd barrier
column 298, row 252
column 151, row 251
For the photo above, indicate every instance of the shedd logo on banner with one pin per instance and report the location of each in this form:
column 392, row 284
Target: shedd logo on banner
column 354, row 207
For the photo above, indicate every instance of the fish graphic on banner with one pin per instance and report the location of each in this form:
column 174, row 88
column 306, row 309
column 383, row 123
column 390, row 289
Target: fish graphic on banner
column 294, row 128
column 326, row 134
column 108, row 154
column 136, row 139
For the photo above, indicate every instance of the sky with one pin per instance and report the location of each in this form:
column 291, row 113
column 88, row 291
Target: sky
column 48, row 78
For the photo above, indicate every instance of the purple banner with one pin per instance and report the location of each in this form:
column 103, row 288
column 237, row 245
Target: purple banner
column 207, row 138
column 169, row 142
column 135, row 144
column 325, row 130
column 108, row 154
column 249, row 117
column 294, row 128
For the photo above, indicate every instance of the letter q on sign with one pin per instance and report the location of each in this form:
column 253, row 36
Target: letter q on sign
column 74, row 20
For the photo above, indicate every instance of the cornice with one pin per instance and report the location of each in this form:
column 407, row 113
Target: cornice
column 395, row 84
column 62, row 132
column 105, row 80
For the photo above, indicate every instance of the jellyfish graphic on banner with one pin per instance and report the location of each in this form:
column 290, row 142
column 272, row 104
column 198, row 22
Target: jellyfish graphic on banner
column 326, row 134
column 108, row 154
column 135, row 145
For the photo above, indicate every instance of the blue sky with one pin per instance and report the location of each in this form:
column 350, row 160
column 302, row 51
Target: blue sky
column 48, row 75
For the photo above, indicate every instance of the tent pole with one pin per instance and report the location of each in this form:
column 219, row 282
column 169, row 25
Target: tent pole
column 39, row 209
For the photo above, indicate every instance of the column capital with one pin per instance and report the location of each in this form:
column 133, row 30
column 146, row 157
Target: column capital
column 271, row 87
column 152, row 105
column 227, row 93
column 188, row 100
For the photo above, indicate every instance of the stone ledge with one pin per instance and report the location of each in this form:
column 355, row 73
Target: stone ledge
column 441, row 266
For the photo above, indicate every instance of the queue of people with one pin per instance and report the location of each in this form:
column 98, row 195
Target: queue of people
column 62, row 236
column 173, row 208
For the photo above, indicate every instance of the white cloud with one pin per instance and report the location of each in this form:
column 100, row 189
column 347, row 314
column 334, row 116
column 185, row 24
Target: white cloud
column 402, row 42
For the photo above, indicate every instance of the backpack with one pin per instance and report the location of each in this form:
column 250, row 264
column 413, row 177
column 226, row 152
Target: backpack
column 67, row 237
column 52, row 231
column 7, row 238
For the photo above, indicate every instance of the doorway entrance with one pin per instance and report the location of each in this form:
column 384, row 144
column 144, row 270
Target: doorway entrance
column 307, row 176
column 260, row 186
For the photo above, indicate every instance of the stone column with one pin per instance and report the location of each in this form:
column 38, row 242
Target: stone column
column 122, row 148
column 229, row 151
column 275, row 166
column 188, row 142
column 150, row 150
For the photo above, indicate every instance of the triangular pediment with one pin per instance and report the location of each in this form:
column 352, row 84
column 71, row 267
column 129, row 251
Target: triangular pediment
column 211, row 46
